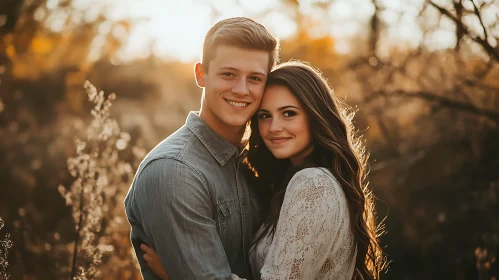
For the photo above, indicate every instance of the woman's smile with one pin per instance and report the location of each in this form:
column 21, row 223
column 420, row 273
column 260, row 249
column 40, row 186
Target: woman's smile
column 279, row 140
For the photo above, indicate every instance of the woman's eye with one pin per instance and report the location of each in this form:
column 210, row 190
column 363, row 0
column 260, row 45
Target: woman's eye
column 263, row 116
column 289, row 113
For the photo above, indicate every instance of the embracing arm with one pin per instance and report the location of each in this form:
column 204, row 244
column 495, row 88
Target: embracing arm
column 313, row 238
column 174, row 205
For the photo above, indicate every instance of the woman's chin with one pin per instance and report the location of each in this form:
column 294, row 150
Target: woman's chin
column 280, row 155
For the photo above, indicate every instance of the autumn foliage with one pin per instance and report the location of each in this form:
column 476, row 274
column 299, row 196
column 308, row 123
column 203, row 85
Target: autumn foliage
column 430, row 117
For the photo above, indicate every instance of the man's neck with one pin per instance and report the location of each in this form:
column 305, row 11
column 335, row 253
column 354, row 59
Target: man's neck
column 230, row 133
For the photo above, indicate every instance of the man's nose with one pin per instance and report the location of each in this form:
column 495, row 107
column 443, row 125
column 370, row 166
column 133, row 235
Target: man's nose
column 241, row 87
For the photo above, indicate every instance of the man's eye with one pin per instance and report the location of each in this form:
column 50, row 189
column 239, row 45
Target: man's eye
column 254, row 78
column 227, row 74
column 289, row 113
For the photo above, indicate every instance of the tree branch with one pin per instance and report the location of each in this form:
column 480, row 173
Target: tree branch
column 491, row 51
column 477, row 13
column 447, row 102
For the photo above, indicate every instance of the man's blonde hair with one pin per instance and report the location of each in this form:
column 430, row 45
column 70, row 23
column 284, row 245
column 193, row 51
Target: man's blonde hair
column 239, row 32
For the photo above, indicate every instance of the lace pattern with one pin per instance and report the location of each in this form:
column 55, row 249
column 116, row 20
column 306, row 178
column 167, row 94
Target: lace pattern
column 313, row 239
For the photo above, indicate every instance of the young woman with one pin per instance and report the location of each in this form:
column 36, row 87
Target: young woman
column 310, row 170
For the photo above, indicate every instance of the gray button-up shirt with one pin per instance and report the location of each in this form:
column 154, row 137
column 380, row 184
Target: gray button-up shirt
column 191, row 203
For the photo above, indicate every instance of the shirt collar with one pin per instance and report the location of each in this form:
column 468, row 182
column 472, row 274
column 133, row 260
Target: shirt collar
column 219, row 148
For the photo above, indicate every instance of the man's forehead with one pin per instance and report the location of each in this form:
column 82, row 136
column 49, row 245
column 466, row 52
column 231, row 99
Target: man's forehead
column 241, row 59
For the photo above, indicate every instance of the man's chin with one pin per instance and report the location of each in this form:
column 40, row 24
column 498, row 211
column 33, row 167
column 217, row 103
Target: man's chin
column 239, row 122
column 233, row 119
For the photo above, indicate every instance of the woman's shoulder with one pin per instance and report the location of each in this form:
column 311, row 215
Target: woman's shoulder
column 319, row 181
column 314, row 177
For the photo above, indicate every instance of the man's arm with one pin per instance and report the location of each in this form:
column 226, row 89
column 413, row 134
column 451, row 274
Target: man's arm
column 175, row 208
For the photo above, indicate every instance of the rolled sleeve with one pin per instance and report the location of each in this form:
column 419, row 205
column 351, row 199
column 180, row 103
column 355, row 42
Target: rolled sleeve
column 176, row 212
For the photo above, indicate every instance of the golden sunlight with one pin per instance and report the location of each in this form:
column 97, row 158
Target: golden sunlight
column 176, row 29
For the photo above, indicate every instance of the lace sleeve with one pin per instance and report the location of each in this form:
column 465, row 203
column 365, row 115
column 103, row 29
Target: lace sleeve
column 311, row 232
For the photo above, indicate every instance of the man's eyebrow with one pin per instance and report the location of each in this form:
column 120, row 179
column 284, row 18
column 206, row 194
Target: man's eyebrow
column 229, row 68
column 259, row 73
column 237, row 70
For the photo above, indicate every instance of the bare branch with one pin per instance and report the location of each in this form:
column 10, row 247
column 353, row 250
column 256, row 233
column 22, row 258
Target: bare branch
column 375, row 28
column 491, row 51
column 447, row 102
column 477, row 13
column 458, row 6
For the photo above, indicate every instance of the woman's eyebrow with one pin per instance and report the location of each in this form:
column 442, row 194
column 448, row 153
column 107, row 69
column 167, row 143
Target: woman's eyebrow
column 286, row 107
column 280, row 108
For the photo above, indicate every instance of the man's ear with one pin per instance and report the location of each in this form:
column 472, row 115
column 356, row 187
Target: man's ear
column 199, row 74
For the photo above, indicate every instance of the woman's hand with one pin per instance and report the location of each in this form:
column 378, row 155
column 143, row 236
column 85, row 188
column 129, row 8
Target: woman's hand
column 153, row 262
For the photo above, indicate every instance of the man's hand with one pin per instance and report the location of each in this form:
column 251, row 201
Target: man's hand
column 153, row 262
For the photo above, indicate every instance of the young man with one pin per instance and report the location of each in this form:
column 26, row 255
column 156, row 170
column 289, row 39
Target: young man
column 189, row 200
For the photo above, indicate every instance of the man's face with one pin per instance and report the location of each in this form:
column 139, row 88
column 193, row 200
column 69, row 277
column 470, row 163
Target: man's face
column 233, row 86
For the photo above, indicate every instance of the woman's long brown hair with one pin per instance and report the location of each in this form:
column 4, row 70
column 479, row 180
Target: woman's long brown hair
column 336, row 148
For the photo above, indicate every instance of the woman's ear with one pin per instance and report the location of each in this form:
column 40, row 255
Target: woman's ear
column 199, row 74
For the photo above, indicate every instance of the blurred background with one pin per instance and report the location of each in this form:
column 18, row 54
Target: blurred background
column 422, row 75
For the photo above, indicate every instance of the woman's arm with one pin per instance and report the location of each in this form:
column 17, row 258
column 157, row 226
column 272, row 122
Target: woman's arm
column 153, row 262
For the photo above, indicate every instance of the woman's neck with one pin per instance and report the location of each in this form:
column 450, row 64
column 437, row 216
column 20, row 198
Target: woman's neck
column 299, row 158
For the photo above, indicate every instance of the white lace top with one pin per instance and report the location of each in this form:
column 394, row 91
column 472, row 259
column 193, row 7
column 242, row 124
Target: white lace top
column 313, row 239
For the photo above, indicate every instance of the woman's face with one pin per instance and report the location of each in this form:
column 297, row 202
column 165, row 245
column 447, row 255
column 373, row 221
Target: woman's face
column 283, row 125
